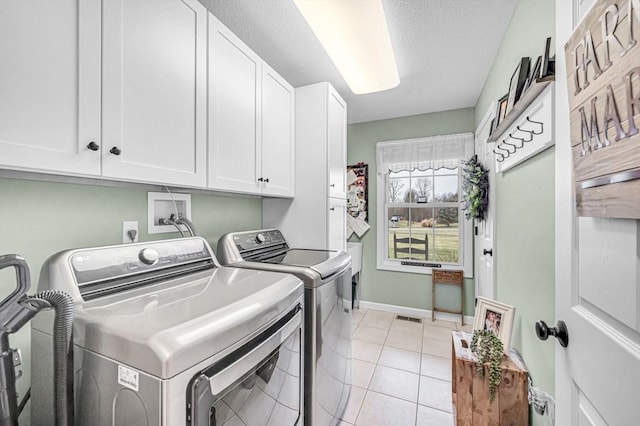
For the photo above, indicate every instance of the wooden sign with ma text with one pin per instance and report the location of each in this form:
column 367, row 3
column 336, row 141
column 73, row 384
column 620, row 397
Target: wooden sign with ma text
column 603, row 72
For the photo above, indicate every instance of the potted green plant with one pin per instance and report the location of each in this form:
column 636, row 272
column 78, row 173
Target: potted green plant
column 487, row 347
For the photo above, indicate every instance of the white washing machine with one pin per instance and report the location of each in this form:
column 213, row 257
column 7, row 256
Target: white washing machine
column 165, row 336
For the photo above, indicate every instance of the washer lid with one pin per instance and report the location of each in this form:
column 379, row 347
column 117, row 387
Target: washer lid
column 324, row 262
column 169, row 327
column 302, row 257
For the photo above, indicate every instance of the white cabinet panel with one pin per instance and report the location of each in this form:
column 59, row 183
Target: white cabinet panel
column 277, row 134
column 154, row 96
column 234, row 115
column 337, row 144
column 337, row 234
column 49, row 85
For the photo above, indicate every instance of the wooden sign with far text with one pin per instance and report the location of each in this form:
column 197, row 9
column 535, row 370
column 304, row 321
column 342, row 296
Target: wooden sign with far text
column 603, row 72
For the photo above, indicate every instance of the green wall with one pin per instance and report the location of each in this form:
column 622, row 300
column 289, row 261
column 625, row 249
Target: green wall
column 401, row 288
column 525, row 206
column 41, row 218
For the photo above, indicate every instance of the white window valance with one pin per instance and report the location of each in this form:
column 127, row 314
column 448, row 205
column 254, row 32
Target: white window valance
column 433, row 152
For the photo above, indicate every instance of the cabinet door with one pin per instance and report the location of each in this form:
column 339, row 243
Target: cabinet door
column 277, row 134
column 337, row 144
column 234, row 112
column 154, row 91
column 50, row 85
column 337, row 232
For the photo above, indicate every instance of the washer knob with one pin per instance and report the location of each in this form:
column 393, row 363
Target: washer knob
column 260, row 238
column 148, row 256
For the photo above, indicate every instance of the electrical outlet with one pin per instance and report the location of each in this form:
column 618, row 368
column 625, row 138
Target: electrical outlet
column 129, row 228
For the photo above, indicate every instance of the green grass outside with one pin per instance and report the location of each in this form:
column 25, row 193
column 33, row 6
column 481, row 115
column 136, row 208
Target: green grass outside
column 443, row 242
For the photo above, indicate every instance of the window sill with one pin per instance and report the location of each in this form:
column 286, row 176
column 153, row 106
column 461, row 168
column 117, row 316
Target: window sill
column 423, row 270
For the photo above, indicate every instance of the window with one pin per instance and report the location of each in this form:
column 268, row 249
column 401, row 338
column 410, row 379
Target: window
column 420, row 220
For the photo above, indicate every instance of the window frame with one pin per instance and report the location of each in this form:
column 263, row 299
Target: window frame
column 465, row 256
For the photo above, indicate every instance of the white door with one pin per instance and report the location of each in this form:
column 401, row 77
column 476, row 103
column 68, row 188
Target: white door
column 154, row 91
column 277, row 134
column 234, row 112
column 485, row 251
column 597, row 287
column 50, row 86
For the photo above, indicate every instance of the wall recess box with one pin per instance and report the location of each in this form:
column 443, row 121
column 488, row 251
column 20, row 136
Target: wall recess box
column 162, row 205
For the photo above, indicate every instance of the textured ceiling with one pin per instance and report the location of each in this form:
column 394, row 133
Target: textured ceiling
column 444, row 50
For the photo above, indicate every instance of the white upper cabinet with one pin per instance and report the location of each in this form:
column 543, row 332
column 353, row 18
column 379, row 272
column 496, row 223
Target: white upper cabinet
column 125, row 90
column 250, row 119
column 278, row 138
column 154, row 91
column 50, row 86
column 234, row 113
column 337, row 144
column 316, row 217
column 137, row 66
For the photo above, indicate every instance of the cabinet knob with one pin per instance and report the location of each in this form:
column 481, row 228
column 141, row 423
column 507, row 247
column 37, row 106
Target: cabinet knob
column 487, row 252
column 115, row 150
column 260, row 180
column 93, row 146
column 332, row 208
column 266, row 180
column 333, row 185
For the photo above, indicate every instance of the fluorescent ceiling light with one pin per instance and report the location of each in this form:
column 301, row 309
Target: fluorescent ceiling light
column 355, row 35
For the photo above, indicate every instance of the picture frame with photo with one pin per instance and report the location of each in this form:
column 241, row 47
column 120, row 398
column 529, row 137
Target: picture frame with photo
column 534, row 74
column 501, row 111
column 516, row 84
column 497, row 317
column 544, row 67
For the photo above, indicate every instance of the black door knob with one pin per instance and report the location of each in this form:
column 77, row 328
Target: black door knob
column 115, row 150
column 93, row 146
column 487, row 252
column 560, row 332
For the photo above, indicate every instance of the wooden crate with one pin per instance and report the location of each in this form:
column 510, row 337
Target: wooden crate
column 470, row 392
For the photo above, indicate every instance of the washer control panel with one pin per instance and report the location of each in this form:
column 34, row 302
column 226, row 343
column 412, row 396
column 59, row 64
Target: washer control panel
column 109, row 263
column 257, row 239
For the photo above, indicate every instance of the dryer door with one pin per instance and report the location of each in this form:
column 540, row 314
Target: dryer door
column 258, row 384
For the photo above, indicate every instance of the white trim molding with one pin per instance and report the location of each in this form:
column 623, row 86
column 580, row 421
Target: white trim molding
column 415, row 312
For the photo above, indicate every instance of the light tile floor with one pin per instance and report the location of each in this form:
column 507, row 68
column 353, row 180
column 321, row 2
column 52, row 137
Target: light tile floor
column 401, row 371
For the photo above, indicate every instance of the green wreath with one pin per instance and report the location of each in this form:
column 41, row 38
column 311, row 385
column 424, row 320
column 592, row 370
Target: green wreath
column 475, row 188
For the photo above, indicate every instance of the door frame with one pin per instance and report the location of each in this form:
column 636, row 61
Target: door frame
column 565, row 222
column 486, row 120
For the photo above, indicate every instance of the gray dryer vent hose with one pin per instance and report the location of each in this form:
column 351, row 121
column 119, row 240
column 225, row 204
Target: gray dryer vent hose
column 62, row 352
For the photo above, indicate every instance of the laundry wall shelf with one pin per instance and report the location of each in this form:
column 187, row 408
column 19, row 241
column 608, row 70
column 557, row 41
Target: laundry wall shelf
column 528, row 129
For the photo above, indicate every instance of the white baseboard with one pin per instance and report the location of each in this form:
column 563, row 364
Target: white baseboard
column 414, row 312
